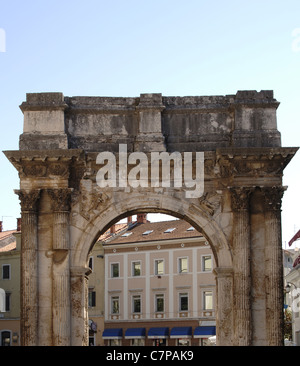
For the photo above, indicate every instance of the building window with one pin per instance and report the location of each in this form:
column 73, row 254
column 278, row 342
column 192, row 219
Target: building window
column 207, row 300
column 91, row 338
column 183, row 302
column 206, row 263
column 92, row 298
column 137, row 342
column 91, row 263
column 136, row 268
column 182, row 265
column 136, row 304
column 5, row 338
column 6, row 271
column 159, row 303
column 159, row 267
column 115, row 305
column 114, row 270
column 7, row 301
column 183, row 342
column 115, row 342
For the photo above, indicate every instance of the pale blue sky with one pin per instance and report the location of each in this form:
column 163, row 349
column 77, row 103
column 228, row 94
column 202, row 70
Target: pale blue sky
column 124, row 48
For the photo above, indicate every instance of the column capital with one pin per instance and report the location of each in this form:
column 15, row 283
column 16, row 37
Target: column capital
column 273, row 197
column 240, row 197
column 28, row 199
column 60, row 198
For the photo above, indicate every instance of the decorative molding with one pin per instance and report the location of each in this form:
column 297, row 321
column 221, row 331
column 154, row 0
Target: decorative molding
column 210, row 202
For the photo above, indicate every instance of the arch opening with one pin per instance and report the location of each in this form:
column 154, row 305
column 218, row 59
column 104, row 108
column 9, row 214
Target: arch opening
column 164, row 280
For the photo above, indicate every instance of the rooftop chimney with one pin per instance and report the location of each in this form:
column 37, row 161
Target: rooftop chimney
column 113, row 229
column 141, row 218
column 0, row 226
column 129, row 220
column 19, row 220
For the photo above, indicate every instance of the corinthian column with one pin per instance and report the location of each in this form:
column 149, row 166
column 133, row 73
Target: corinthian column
column 29, row 267
column 241, row 266
column 273, row 265
column 60, row 202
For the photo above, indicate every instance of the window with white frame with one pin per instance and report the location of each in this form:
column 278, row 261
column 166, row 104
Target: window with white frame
column 159, row 303
column 206, row 263
column 115, row 305
column 114, row 270
column 183, row 265
column 183, row 302
column 136, row 268
column 207, row 300
column 136, row 303
column 159, row 267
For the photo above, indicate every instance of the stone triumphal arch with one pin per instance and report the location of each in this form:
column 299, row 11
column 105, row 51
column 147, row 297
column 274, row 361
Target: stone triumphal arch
column 64, row 209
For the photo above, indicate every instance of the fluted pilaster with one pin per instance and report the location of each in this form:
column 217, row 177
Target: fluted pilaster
column 29, row 267
column 273, row 265
column 60, row 203
column 241, row 265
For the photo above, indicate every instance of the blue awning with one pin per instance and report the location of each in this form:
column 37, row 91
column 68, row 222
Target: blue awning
column 204, row 332
column 158, row 333
column 181, row 332
column 112, row 333
column 133, row 333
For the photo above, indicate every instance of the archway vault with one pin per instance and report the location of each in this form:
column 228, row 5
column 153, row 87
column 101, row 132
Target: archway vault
column 64, row 209
column 131, row 204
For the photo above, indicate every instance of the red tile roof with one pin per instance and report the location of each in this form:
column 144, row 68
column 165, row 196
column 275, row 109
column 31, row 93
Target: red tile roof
column 156, row 232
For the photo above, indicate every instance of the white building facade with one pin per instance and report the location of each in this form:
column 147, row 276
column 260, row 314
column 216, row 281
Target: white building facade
column 159, row 279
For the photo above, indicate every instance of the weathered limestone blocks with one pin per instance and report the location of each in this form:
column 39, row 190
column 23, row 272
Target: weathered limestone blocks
column 44, row 122
column 150, row 122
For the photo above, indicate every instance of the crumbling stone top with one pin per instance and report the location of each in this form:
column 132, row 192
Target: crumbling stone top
column 150, row 122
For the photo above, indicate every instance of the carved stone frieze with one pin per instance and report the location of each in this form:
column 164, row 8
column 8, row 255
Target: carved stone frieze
column 91, row 203
column 210, row 202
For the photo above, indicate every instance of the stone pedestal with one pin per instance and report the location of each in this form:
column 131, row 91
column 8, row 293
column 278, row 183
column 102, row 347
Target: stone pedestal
column 79, row 299
column 224, row 319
